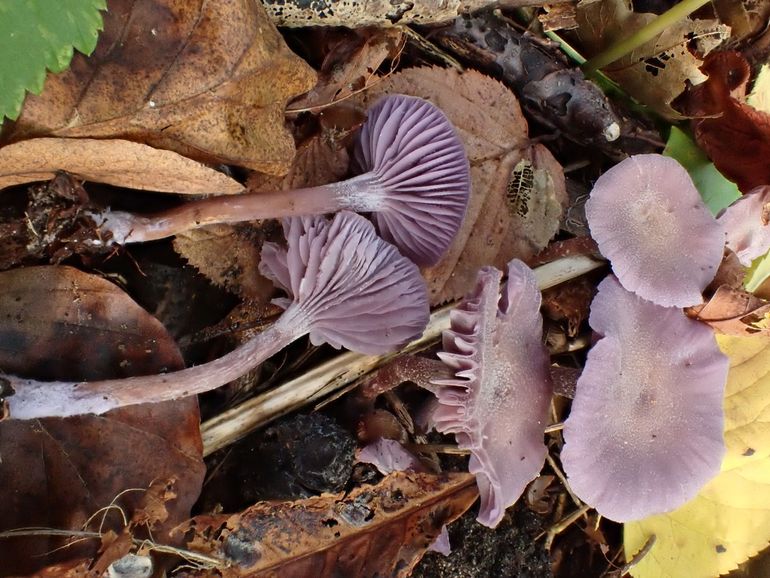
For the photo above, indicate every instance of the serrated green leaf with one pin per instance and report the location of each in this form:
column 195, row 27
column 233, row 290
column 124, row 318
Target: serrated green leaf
column 715, row 190
column 36, row 35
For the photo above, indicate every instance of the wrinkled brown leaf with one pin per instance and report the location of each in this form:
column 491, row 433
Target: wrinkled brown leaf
column 60, row 323
column 734, row 135
column 209, row 80
column 657, row 71
column 733, row 312
column 380, row 530
column 518, row 191
column 116, row 162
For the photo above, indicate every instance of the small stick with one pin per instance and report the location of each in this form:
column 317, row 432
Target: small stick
column 559, row 474
column 563, row 524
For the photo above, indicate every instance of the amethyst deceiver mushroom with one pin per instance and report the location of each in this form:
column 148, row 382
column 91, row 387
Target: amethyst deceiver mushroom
column 645, row 430
column 347, row 287
column 415, row 178
column 649, row 220
column 747, row 224
column 497, row 403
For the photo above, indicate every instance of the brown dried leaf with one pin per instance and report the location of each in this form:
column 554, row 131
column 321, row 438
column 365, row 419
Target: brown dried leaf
column 116, row 162
column 380, row 530
column 733, row 312
column 518, row 190
column 209, row 80
column 57, row 322
column 656, row 72
column 228, row 256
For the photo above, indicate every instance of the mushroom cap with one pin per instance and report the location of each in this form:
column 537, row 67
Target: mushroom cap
column 356, row 290
column 497, row 405
column 645, row 430
column 649, row 220
column 422, row 174
column 746, row 224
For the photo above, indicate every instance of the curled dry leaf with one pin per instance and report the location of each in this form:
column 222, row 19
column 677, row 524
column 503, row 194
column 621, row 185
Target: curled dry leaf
column 113, row 161
column 380, row 530
column 733, row 134
column 56, row 473
column 656, row 72
column 733, row 312
column 209, row 80
column 518, row 192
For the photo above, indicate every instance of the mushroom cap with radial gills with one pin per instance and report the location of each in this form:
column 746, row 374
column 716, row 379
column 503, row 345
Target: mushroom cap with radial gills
column 422, row 175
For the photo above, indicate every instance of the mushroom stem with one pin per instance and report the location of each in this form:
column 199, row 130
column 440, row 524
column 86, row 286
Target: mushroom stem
column 36, row 399
column 360, row 194
column 347, row 287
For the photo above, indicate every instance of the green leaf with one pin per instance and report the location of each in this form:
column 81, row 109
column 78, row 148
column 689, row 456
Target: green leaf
column 36, row 35
column 717, row 192
column 757, row 273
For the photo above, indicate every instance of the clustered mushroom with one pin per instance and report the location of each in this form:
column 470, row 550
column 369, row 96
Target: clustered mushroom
column 649, row 220
column 497, row 403
column 645, row 430
column 346, row 287
column 415, row 179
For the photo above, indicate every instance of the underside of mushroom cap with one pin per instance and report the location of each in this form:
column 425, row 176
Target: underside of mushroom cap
column 422, row 171
column 747, row 224
column 645, row 430
column 355, row 289
column 649, row 220
column 497, row 405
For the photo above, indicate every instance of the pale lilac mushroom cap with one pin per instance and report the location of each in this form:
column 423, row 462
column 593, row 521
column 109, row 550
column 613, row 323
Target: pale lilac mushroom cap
column 645, row 430
column 355, row 290
column 747, row 224
column 649, row 220
column 497, row 405
column 422, row 176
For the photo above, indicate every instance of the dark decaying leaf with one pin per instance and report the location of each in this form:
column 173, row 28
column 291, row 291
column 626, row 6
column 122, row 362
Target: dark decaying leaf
column 209, row 80
column 57, row 322
column 380, row 530
column 549, row 89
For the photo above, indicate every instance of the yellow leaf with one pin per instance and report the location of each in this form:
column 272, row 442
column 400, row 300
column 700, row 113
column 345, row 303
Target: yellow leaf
column 729, row 520
column 760, row 92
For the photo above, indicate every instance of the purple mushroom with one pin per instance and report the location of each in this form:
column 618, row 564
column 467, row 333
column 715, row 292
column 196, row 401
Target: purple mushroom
column 747, row 224
column 415, row 178
column 649, row 220
column 497, row 403
column 645, row 430
column 347, row 287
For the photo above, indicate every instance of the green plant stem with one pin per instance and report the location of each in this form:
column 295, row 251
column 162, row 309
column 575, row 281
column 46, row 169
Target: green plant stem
column 644, row 34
